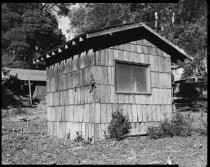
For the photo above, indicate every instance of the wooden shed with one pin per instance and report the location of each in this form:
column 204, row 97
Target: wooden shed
column 37, row 80
column 91, row 75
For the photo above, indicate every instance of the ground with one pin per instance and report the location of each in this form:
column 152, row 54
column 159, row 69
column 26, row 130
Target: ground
column 37, row 147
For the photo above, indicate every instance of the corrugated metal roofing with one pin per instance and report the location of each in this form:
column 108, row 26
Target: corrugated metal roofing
column 25, row 74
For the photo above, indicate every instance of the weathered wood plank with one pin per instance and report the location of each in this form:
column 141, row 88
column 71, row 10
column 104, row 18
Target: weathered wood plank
column 134, row 113
column 91, row 56
column 148, row 113
column 59, row 83
column 57, row 98
column 154, row 113
column 103, row 115
column 86, row 117
column 57, row 113
column 87, row 59
column 143, row 99
column 63, row 118
column 76, row 113
column 144, row 113
column 69, row 80
column 70, row 96
column 116, row 54
column 129, row 111
column 80, row 113
column 91, row 130
column 98, row 57
column 92, row 112
column 64, row 82
column 87, row 127
column 47, row 72
column 61, row 95
column 96, row 94
column 139, row 113
column 74, row 62
column 109, row 75
column 71, row 126
column 55, row 73
column 52, row 84
column 83, row 130
column 49, row 113
column 139, row 48
column 103, row 93
column 70, row 65
column 151, row 98
column 104, row 75
column 169, row 64
column 62, row 67
column 111, row 57
column 50, row 99
column 108, row 93
column 96, row 132
column 170, row 111
column 51, row 71
column 106, row 54
column 112, row 94
column 101, row 131
column 158, row 114
column 109, row 113
column 162, row 113
column 67, row 113
column 97, row 114
column 103, row 57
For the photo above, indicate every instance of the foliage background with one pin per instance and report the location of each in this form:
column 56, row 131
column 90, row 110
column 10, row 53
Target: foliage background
column 28, row 26
column 27, row 31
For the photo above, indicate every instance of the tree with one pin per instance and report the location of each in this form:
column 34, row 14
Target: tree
column 183, row 23
column 27, row 30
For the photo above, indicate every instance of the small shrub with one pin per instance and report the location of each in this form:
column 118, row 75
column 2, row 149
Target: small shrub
column 203, row 128
column 154, row 132
column 78, row 138
column 179, row 125
column 119, row 125
column 182, row 125
column 166, row 128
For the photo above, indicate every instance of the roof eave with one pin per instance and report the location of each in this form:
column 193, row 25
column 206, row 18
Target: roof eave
column 98, row 34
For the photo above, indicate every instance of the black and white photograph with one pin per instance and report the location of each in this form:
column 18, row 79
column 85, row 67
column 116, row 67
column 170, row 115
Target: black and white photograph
column 104, row 83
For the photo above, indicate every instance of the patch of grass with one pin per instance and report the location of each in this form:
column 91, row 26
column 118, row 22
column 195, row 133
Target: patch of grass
column 40, row 148
column 14, row 112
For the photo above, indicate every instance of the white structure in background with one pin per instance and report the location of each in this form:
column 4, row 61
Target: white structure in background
column 177, row 72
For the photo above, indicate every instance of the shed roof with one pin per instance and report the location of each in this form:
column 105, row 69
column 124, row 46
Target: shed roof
column 136, row 31
column 25, row 74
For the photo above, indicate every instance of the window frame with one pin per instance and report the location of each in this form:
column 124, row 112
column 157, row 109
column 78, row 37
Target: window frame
column 133, row 63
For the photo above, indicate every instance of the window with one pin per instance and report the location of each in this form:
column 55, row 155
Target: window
column 132, row 78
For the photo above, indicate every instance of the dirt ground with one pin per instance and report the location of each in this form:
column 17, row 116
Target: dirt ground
column 25, row 141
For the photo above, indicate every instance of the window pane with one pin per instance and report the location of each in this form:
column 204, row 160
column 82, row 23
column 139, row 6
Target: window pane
column 139, row 78
column 123, row 77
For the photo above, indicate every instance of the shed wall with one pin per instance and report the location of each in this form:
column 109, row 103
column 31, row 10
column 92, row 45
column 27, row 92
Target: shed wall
column 73, row 107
